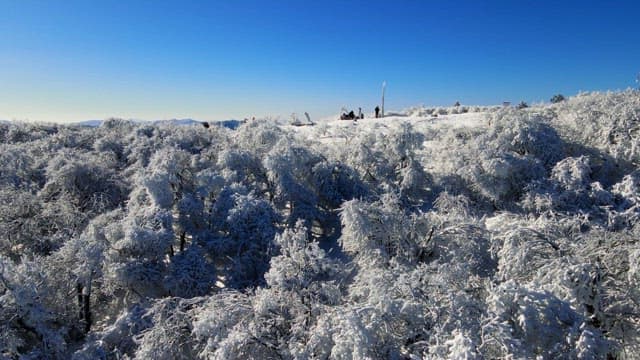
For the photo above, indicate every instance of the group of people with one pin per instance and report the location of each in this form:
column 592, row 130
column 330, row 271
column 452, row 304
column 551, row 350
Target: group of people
column 352, row 116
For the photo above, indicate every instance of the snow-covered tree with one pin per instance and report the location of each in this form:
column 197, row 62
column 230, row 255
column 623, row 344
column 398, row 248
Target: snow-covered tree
column 382, row 230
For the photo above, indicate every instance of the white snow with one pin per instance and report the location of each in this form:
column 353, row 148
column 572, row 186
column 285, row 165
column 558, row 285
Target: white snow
column 335, row 131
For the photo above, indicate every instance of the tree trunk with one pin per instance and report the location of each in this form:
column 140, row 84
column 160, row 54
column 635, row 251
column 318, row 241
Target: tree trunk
column 183, row 239
column 86, row 309
column 79, row 291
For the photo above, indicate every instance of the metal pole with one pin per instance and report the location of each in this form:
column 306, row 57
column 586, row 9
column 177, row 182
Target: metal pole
column 384, row 85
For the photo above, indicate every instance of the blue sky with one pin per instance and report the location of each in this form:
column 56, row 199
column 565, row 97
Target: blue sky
column 75, row 60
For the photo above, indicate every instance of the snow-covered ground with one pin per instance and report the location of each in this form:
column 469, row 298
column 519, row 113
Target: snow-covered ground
column 419, row 122
column 330, row 130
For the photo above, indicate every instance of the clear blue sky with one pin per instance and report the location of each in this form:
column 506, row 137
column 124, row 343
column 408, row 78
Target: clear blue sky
column 74, row 60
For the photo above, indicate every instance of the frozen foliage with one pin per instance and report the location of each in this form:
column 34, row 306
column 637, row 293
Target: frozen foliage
column 301, row 261
column 608, row 122
column 528, row 323
column 438, row 233
column 425, row 111
column 381, row 229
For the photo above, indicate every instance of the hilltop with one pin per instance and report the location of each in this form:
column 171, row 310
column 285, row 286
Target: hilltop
column 488, row 233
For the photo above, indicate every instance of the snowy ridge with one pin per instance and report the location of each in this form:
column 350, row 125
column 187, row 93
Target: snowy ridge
column 89, row 123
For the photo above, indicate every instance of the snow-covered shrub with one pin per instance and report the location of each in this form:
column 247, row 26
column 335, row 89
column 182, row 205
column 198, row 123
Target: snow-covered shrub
column 113, row 143
column 572, row 174
column 248, row 226
column 335, row 183
column 190, row 274
column 389, row 160
column 571, row 187
column 241, row 166
column 609, row 122
column 276, row 325
column 453, row 206
column 147, row 229
column 524, row 250
column 634, row 266
column 208, row 184
column 502, row 179
column 521, row 247
column 364, row 156
column 572, row 178
column 87, row 182
column 166, row 176
column 460, row 346
column 301, row 261
column 32, row 319
column 525, row 134
column 348, row 338
column 497, row 164
column 578, row 284
column 381, row 229
column 169, row 336
column 387, row 309
column 466, row 241
column 258, row 136
column 116, row 338
column 414, row 183
column 138, row 252
column 190, row 139
column 628, row 190
column 20, row 226
column 423, row 111
column 522, row 322
column 23, row 132
column 19, row 170
column 144, row 142
column 609, row 296
column 289, row 169
column 221, row 320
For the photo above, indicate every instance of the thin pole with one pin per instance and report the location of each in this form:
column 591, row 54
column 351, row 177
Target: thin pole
column 384, row 85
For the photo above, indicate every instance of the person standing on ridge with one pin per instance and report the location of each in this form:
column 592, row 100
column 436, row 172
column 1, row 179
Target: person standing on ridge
column 377, row 109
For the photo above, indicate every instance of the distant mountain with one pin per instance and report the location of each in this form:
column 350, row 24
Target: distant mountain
column 231, row 124
column 89, row 123
column 177, row 122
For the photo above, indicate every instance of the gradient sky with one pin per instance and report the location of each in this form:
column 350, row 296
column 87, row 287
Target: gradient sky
column 77, row 60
